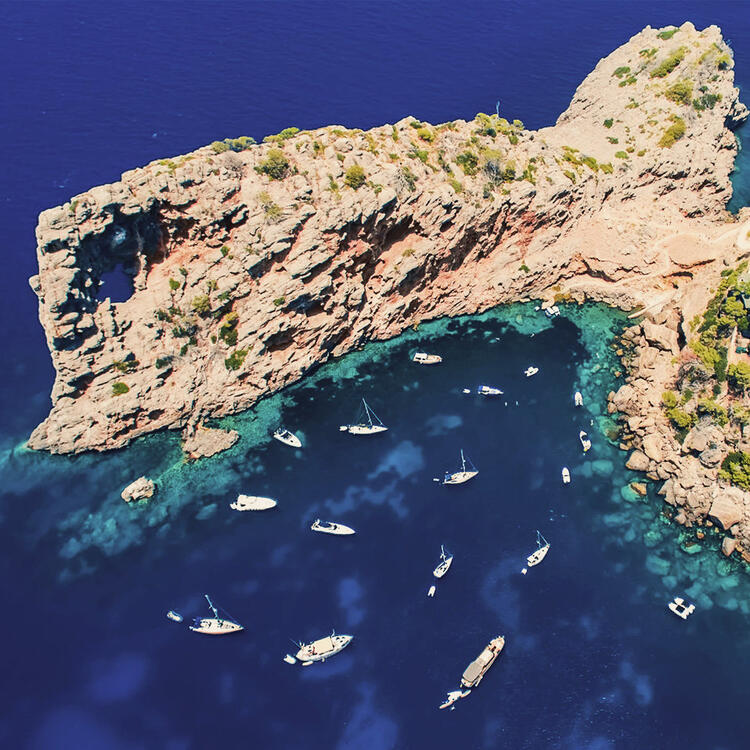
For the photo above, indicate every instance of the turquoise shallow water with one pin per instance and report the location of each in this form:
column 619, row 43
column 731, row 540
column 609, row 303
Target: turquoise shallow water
column 591, row 646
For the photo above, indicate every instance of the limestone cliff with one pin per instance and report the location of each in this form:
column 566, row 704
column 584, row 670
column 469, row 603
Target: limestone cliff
column 250, row 267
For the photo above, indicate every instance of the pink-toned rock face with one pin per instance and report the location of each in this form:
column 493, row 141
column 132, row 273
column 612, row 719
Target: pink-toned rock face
column 243, row 282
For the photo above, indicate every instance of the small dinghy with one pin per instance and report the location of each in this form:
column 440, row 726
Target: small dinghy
column 288, row 438
column 368, row 424
column 174, row 616
column 542, row 548
column 453, row 696
column 681, row 609
column 565, row 475
column 464, row 474
column 445, row 563
column 431, row 591
column 529, row 371
column 422, row 358
column 319, row 650
column 328, row 527
column 252, row 502
column 578, row 399
column 585, row 442
column 488, row 390
column 215, row 625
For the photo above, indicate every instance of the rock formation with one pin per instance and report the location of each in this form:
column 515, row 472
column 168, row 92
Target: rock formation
column 142, row 489
column 252, row 264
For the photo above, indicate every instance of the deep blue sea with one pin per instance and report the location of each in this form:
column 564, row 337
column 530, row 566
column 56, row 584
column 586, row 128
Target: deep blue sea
column 593, row 659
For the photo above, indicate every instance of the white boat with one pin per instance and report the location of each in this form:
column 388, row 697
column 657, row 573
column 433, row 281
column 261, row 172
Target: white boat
column 552, row 312
column 369, row 423
column 474, row 673
column 489, row 390
column 445, row 563
column 215, row 625
column 453, row 696
column 252, row 502
column 681, row 609
column 288, row 438
column 566, row 475
column 578, row 398
column 422, row 358
column 328, row 527
column 463, row 475
column 431, row 591
column 321, row 649
column 529, row 371
column 174, row 616
column 585, row 442
column 542, row 548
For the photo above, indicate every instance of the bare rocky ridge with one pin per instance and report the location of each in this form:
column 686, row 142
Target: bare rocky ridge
column 242, row 283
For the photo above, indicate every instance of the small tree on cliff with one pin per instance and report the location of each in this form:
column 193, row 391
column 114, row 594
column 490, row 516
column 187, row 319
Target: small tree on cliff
column 355, row 177
column 738, row 376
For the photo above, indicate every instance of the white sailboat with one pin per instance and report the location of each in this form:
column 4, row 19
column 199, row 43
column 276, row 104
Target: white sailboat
column 531, row 370
column 370, row 424
column 328, row 527
column 288, row 438
column 422, row 358
column 464, row 475
column 252, row 502
column 489, row 390
column 215, row 625
column 445, row 563
column 585, row 442
column 578, row 399
column 319, row 650
column 542, row 548
column 566, row 475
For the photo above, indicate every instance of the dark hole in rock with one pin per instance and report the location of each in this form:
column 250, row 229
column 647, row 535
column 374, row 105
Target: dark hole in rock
column 115, row 284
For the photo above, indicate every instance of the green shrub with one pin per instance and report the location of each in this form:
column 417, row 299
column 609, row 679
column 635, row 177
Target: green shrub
column 228, row 328
column 456, row 185
column 608, row 122
column 606, row 168
column 468, row 161
column 735, row 468
column 224, row 251
column 279, row 301
column 284, row 135
column 590, row 162
column 570, row 175
column 711, row 408
column 418, row 153
column 219, row 147
column 119, row 388
column 174, row 285
column 275, row 165
column 666, row 66
column 621, row 71
column 673, row 133
column 669, row 399
column 162, row 362
column 613, row 140
column 680, row 92
column 426, row 134
column 738, row 376
column 201, row 304
column 355, row 177
column 621, row 155
column 667, row 34
column 707, row 101
column 408, row 177
column 234, row 361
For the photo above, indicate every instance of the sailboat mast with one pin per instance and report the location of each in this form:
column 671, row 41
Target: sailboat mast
column 213, row 609
column 463, row 461
column 367, row 412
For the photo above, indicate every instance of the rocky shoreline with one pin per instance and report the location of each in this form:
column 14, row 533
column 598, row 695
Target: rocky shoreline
column 253, row 264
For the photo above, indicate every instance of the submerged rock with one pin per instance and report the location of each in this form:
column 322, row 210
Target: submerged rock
column 202, row 442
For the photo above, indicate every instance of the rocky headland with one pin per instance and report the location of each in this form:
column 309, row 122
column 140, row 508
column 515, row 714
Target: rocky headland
column 252, row 264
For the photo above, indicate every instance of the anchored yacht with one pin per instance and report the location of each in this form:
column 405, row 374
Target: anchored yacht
column 319, row 650
column 252, row 502
column 445, row 563
column 422, row 358
column 288, row 438
column 215, row 625
column 328, row 527
column 542, row 548
column 464, row 474
column 368, row 424
column 489, row 390
column 474, row 673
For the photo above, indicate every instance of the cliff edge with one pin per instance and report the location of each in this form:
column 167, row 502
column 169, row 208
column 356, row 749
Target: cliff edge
column 251, row 264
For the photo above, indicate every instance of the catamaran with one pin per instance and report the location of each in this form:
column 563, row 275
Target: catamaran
column 252, row 502
column 422, row 358
column 369, row 424
column 288, row 438
column 542, row 548
column 319, row 650
column 328, row 527
column 585, row 442
column 489, row 390
column 215, row 625
column 464, row 475
column 445, row 563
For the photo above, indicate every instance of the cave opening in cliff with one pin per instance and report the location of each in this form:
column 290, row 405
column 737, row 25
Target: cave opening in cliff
column 115, row 284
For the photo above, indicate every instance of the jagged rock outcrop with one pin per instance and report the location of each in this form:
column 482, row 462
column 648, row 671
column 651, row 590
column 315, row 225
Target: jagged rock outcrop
column 242, row 283
column 142, row 489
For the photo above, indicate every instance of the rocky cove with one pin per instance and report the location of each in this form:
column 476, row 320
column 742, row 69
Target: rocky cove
column 253, row 264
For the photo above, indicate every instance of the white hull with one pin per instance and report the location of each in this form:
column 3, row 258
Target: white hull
column 453, row 696
column 585, row 442
column 536, row 557
column 529, row 371
column 323, row 648
column 422, row 358
column 363, row 429
column 460, row 477
column 488, row 390
column 552, row 312
column 681, row 609
column 442, row 569
column 326, row 527
column 252, row 502
column 578, row 398
column 174, row 616
column 566, row 475
column 288, row 438
column 214, row 626
column 431, row 590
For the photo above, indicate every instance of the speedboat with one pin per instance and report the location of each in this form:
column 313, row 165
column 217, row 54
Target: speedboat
column 464, row 474
column 542, row 548
column 453, row 696
column 288, row 438
column 174, row 616
column 488, row 390
column 368, row 424
column 252, row 502
column 431, row 590
column 422, row 358
column 585, row 442
column 445, row 563
column 529, row 371
column 565, row 475
column 319, row 650
column 552, row 312
column 328, row 527
column 681, row 609
column 215, row 625
column 578, row 398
